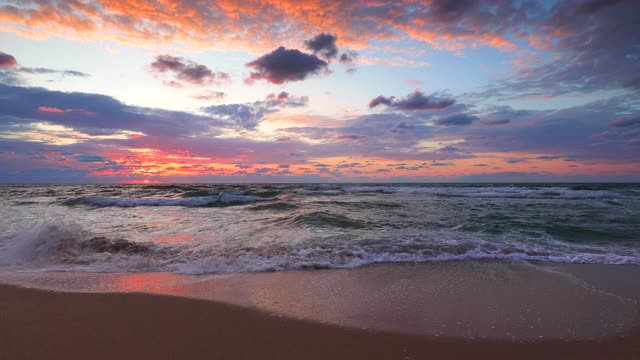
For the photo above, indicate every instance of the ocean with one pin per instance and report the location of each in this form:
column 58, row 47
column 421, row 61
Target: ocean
column 222, row 229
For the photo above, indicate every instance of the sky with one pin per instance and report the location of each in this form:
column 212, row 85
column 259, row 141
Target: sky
column 197, row 91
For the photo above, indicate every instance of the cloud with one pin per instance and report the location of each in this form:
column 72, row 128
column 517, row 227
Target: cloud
column 497, row 122
column 7, row 61
column 323, row 45
column 284, row 65
column 348, row 57
column 28, row 70
column 549, row 157
column 93, row 114
column 585, row 131
column 593, row 6
column 350, row 137
column 451, row 11
column 186, row 71
column 249, row 115
column 456, row 120
column 90, row 158
column 624, row 122
column 416, row 101
column 241, row 116
column 10, row 78
column 10, row 70
column 587, row 41
column 210, row 96
column 284, row 99
column 166, row 63
column 633, row 83
column 259, row 25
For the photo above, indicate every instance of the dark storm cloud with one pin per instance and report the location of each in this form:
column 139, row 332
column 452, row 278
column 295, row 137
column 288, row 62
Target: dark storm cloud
column 7, row 61
column 283, row 65
column 188, row 71
column 416, row 101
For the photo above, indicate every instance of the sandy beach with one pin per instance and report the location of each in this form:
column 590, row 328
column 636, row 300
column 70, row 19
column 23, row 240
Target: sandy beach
column 38, row 324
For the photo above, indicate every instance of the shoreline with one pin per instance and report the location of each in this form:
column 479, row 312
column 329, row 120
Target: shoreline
column 485, row 309
column 57, row 325
column 485, row 300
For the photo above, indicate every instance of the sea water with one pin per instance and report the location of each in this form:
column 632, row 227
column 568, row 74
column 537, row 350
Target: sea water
column 212, row 229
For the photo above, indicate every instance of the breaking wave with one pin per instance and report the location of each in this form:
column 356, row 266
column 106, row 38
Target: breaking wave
column 63, row 246
column 286, row 227
column 67, row 247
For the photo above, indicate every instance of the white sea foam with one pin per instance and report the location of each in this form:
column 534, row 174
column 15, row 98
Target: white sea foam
column 183, row 235
column 53, row 239
column 66, row 247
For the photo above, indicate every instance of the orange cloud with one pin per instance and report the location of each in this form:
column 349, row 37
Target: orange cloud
column 51, row 109
column 254, row 26
column 55, row 110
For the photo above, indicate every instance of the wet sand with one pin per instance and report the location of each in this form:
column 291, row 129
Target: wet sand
column 393, row 311
column 37, row 324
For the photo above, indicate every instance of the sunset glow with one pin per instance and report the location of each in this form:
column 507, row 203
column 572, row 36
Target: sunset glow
column 144, row 92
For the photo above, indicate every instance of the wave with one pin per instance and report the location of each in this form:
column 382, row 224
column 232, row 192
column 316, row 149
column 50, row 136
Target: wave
column 221, row 199
column 318, row 192
column 279, row 206
column 361, row 204
column 63, row 244
column 67, row 247
column 349, row 254
column 321, row 219
column 486, row 192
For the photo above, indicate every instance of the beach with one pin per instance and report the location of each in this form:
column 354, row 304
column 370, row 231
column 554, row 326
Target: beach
column 326, row 271
column 306, row 179
column 188, row 317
